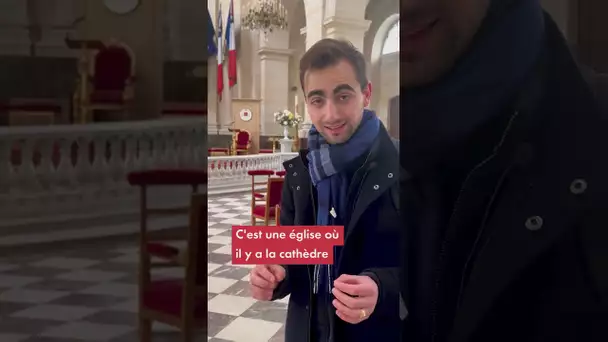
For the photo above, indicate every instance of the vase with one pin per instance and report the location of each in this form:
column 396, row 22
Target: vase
column 286, row 132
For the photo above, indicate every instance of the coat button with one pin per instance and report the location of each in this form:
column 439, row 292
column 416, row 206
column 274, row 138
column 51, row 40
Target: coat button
column 390, row 175
column 376, row 187
column 295, row 174
column 534, row 223
column 578, row 186
column 298, row 187
column 290, row 165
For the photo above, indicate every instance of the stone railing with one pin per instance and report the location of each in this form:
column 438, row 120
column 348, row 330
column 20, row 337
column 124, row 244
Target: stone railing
column 56, row 172
column 229, row 174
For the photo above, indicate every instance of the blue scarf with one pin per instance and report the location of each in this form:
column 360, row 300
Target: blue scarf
column 479, row 87
column 325, row 165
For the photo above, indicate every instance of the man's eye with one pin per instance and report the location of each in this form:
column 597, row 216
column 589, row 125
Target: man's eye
column 344, row 97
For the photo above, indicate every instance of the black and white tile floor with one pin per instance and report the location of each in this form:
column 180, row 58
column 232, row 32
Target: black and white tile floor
column 89, row 294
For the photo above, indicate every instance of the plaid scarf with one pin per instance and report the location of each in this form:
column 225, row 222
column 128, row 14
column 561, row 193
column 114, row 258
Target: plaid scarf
column 325, row 165
column 325, row 160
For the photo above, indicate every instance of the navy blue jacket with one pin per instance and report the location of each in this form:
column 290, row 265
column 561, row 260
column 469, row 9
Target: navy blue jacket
column 371, row 246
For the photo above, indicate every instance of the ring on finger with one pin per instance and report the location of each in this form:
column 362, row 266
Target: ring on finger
column 363, row 314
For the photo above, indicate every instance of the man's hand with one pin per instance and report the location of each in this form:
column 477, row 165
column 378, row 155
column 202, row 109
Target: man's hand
column 263, row 279
column 355, row 297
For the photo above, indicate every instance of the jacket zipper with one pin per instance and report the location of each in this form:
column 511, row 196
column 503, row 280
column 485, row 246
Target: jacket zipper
column 444, row 242
column 310, row 280
column 479, row 235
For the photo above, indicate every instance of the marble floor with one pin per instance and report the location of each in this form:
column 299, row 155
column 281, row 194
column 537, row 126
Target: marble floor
column 88, row 293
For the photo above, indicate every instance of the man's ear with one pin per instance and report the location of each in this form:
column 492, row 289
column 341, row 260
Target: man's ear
column 367, row 94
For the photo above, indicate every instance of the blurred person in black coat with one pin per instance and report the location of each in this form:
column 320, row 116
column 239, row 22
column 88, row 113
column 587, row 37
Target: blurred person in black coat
column 505, row 190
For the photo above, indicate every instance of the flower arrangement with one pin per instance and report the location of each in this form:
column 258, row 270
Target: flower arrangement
column 286, row 118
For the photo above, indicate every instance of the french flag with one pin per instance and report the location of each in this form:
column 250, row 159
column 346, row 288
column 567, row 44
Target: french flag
column 231, row 44
column 220, row 56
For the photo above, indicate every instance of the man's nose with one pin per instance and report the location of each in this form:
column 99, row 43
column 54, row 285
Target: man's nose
column 331, row 112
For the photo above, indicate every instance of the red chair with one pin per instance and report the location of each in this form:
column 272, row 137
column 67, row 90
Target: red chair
column 259, row 173
column 111, row 80
column 267, row 211
column 182, row 302
column 241, row 142
column 152, row 242
column 281, row 173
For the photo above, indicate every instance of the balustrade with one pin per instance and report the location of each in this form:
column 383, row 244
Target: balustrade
column 65, row 173
column 81, row 169
column 229, row 173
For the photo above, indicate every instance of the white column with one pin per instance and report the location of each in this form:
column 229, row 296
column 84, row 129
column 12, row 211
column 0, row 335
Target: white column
column 350, row 29
column 314, row 31
column 315, row 14
column 212, row 105
column 274, row 71
column 345, row 19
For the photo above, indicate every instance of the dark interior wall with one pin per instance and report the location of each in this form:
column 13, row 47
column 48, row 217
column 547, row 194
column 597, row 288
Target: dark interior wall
column 182, row 82
column 37, row 77
column 592, row 33
column 55, row 78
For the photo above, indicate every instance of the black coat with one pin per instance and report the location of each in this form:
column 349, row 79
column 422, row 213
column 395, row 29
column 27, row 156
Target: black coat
column 371, row 246
column 538, row 269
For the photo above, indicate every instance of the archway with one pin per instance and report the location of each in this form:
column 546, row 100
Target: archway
column 384, row 58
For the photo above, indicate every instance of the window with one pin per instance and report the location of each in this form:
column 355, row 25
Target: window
column 391, row 43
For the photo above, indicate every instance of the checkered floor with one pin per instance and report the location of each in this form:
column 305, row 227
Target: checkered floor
column 86, row 294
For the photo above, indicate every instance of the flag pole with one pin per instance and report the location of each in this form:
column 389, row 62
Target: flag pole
column 218, row 116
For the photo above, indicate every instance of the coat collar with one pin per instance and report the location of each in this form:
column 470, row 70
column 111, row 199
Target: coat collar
column 383, row 155
column 381, row 168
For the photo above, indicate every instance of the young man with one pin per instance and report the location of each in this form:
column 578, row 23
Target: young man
column 505, row 204
column 348, row 176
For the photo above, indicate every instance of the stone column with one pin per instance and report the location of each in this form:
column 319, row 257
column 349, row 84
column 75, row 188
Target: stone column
column 212, row 100
column 274, row 70
column 350, row 29
column 314, row 31
column 315, row 14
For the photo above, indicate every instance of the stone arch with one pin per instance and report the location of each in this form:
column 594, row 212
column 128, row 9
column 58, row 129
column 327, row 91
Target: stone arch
column 380, row 37
column 380, row 99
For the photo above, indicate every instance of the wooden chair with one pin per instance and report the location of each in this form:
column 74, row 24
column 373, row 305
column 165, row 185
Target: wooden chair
column 155, row 245
column 281, row 173
column 181, row 303
column 111, row 77
column 241, row 142
column 218, row 151
column 277, row 214
column 259, row 173
column 267, row 211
